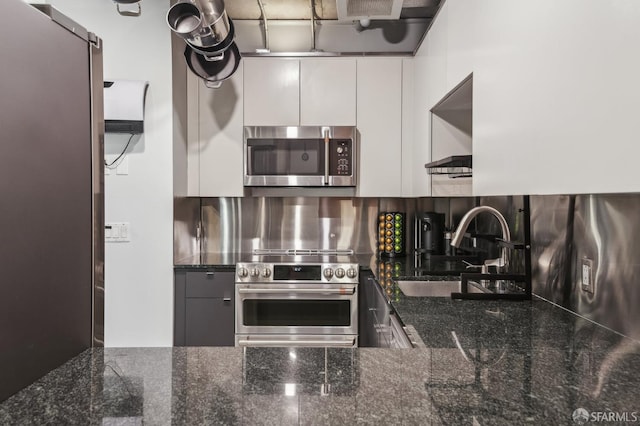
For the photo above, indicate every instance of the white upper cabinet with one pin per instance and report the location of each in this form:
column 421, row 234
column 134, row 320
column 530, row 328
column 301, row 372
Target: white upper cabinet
column 300, row 92
column 380, row 127
column 221, row 138
column 215, row 153
column 557, row 113
column 552, row 114
column 272, row 92
column 460, row 38
column 328, row 92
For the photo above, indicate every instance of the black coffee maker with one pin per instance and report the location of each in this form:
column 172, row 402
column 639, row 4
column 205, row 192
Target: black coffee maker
column 429, row 233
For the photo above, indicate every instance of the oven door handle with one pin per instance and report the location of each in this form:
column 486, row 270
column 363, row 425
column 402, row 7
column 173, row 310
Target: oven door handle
column 345, row 291
column 347, row 342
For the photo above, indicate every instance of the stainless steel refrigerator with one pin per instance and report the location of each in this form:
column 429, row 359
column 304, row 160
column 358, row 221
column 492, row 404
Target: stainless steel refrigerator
column 51, row 192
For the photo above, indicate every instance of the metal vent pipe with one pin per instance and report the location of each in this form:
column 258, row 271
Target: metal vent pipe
column 266, row 28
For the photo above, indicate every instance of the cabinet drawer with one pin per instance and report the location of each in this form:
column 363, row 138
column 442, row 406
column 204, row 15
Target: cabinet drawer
column 209, row 322
column 209, row 284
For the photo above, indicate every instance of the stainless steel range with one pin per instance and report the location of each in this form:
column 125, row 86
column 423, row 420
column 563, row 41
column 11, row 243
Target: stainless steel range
column 299, row 298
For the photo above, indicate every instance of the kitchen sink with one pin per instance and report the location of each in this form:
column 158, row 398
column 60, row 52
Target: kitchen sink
column 433, row 288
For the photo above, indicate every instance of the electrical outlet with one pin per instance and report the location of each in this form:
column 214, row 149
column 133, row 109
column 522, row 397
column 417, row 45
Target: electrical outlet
column 587, row 275
column 123, row 166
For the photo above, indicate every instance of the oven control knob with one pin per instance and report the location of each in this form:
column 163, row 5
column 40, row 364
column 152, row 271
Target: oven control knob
column 266, row 273
column 340, row 150
column 255, row 272
column 352, row 273
column 339, row 273
column 328, row 273
column 242, row 272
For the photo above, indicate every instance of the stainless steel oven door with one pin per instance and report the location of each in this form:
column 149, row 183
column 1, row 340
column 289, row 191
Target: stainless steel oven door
column 302, row 309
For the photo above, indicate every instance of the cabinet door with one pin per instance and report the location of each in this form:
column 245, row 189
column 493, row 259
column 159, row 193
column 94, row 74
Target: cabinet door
column 209, row 322
column 381, row 317
column 220, row 138
column 271, row 92
column 368, row 336
column 328, row 92
column 193, row 139
column 363, row 312
column 380, row 127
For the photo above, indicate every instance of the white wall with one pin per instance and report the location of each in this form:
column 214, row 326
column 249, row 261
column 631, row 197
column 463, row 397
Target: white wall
column 139, row 274
column 555, row 91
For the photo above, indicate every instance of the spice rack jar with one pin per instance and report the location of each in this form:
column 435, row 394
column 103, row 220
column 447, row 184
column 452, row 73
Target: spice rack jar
column 391, row 234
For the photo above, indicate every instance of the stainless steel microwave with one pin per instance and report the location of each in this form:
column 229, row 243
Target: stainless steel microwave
column 300, row 156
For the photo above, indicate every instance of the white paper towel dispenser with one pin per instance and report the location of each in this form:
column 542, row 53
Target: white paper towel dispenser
column 124, row 106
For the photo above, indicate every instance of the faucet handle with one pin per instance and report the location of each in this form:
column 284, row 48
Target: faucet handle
column 498, row 263
column 471, row 265
column 484, row 269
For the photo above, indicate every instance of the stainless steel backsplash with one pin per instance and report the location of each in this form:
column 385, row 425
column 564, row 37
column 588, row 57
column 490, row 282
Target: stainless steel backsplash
column 239, row 225
column 603, row 228
column 244, row 224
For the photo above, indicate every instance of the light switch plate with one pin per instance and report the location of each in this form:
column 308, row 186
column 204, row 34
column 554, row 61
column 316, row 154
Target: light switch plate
column 117, row 232
column 587, row 275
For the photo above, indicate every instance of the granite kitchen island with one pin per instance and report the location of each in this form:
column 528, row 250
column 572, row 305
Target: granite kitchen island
column 485, row 362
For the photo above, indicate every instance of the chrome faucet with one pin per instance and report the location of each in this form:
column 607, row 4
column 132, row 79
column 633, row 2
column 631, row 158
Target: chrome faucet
column 456, row 239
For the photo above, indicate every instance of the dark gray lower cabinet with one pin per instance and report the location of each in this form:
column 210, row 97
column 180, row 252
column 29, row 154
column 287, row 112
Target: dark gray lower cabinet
column 374, row 313
column 204, row 308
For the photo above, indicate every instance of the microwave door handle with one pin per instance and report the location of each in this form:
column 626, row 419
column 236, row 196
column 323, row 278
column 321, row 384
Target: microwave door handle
column 326, row 157
column 248, row 160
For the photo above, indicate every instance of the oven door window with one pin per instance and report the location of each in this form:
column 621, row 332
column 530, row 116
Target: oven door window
column 296, row 313
column 283, row 157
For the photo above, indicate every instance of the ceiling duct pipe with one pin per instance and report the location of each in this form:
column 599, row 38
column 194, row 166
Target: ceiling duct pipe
column 265, row 29
column 312, row 4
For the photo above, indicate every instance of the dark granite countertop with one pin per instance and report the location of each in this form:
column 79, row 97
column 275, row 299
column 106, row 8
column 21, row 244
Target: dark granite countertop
column 501, row 373
column 462, row 315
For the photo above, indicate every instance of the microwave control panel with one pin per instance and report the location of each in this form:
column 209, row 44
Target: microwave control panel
column 341, row 157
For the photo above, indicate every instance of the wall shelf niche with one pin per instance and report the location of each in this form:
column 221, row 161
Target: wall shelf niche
column 451, row 142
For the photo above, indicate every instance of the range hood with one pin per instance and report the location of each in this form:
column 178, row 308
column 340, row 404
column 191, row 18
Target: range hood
column 455, row 166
